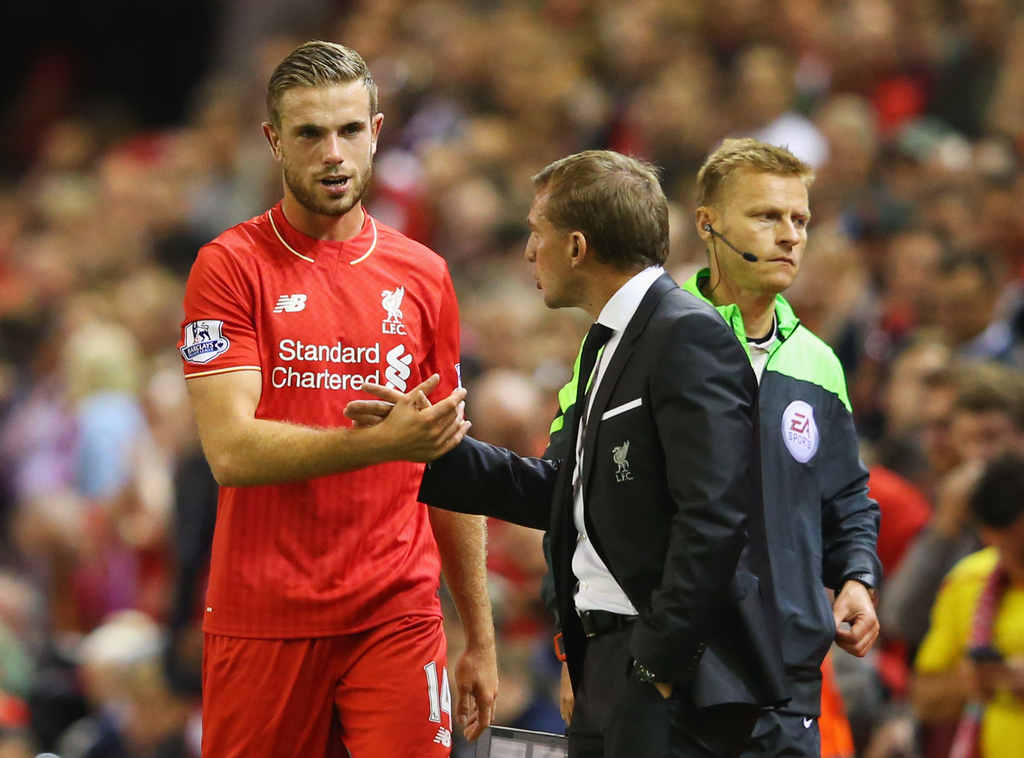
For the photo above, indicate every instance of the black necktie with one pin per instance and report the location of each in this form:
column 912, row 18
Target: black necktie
column 597, row 337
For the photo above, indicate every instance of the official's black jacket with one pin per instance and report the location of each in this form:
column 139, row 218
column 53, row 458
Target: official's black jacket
column 673, row 506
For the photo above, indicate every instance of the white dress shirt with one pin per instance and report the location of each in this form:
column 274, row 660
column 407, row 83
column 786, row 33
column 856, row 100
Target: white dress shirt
column 597, row 589
column 759, row 349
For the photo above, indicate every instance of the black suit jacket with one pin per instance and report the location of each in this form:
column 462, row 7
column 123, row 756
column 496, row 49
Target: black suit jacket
column 673, row 503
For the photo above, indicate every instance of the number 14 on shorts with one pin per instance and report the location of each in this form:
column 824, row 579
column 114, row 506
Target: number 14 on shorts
column 440, row 702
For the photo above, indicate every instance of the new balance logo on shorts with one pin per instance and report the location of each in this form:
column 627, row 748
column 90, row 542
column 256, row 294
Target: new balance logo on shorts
column 444, row 737
column 290, row 304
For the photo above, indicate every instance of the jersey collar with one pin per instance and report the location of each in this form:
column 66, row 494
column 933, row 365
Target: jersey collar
column 294, row 242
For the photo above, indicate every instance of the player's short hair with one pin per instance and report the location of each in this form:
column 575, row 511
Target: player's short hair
column 615, row 201
column 736, row 155
column 317, row 64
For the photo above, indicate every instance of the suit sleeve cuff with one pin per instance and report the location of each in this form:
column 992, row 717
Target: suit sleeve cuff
column 665, row 656
column 866, row 578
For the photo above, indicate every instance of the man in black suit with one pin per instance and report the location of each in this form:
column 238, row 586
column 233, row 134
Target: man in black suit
column 660, row 558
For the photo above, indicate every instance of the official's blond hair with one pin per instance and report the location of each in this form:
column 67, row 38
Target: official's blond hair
column 317, row 64
column 734, row 156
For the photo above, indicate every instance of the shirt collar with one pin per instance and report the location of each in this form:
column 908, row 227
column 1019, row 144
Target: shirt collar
column 297, row 243
column 765, row 344
column 618, row 311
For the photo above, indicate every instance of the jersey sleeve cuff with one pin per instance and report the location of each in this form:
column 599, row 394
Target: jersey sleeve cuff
column 228, row 370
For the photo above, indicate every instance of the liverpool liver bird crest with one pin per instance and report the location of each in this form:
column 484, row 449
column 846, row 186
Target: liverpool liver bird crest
column 392, row 302
column 619, row 456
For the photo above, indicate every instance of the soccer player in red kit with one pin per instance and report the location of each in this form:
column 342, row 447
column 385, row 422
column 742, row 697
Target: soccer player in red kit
column 323, row 624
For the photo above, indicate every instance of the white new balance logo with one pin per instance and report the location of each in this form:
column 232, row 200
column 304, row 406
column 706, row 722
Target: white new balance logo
column 290, row 304
column 443, row 737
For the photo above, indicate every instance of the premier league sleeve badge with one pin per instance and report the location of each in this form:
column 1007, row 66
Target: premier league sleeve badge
column 204, row 341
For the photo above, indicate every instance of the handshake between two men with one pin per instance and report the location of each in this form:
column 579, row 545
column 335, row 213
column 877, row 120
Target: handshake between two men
column 416, row 430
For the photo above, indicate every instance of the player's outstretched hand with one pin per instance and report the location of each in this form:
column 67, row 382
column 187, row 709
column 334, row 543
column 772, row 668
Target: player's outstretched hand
column 854, row 605
column 415, row 429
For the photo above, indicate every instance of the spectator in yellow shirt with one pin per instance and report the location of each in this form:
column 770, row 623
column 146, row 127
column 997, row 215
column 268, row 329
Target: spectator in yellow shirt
column 970, row 667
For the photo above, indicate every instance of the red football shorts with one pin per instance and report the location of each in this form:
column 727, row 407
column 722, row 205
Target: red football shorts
column 375, row 694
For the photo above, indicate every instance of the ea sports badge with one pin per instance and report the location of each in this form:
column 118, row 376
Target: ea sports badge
column 204, row 341
column 799, row 431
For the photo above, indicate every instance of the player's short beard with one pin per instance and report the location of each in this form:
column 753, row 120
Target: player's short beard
column 311, row 201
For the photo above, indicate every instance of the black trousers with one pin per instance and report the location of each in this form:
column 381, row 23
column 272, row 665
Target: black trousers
column 618, row 716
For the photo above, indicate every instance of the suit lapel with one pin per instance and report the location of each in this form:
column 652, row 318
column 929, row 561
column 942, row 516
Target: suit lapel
column 623, row 353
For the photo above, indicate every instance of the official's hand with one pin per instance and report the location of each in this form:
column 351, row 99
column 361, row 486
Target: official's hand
column 415, row 429
column 854, row 606
column 476, row 679
column 665, row 688
column 566, row 698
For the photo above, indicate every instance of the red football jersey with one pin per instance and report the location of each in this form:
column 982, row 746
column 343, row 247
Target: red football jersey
column 349, row 551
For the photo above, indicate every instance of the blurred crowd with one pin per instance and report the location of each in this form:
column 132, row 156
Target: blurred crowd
column 912, row 112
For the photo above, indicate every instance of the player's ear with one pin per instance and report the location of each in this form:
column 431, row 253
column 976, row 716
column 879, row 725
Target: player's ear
column 375, row 124
column 274, row 138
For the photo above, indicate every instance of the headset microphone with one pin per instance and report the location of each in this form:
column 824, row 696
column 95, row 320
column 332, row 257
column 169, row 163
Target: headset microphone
column 746, row 256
